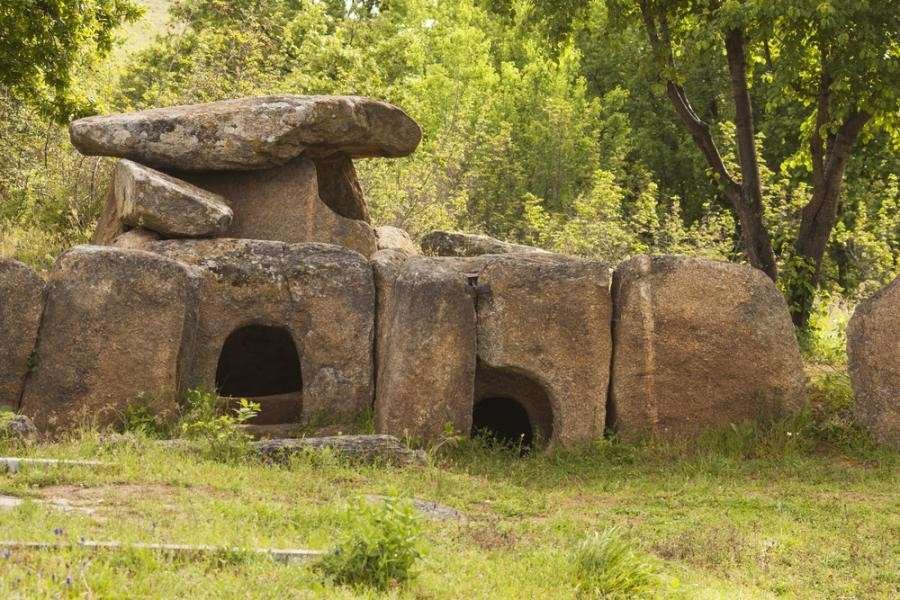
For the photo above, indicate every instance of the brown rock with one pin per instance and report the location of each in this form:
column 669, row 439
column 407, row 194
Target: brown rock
column 136, row 239
column 339, row 188
column 546, row 324
column 267, row 306
column 21, row 301
column 250, row 133
column 699, row 344
column 117, row 327
column 529, row 352
column 394, row 238
column 283, row 204
column 448, row 243
column 873, row 348
column 153, row 200
column 110, row 225
column 427, row 359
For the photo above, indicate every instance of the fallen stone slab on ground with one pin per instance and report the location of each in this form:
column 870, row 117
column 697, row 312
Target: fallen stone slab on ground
column 363, row 447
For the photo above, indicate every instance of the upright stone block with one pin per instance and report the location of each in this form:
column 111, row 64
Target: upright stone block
column 699, row 344
column 21, row 302
column 118, row 326
column 873, row 348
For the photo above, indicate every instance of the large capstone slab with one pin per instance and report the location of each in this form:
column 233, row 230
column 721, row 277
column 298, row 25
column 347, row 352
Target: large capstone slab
column 21, row 302
column 250, row 133
column 116, row 330
column 699, row 344
column 873, row 348
column 315, row 301
column 152, row 200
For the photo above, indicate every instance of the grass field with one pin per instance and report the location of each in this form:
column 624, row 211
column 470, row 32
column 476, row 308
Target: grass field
column 740, row 513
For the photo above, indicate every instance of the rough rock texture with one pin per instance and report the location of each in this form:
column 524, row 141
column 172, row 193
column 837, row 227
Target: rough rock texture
column 136, row 239
column 534, row 331
column 249, row 133
column 320, row 294
column 283, row 204
column 699, row 344
column 117, row 325
column 368, row 448
column 339, row 188
column 548, row 318
column 873, row 346
column 153, row 200
column 448, row 243
column 21, row 302
column 109, row 225
column 386, row 265
column 427, row 358
column 394, row 238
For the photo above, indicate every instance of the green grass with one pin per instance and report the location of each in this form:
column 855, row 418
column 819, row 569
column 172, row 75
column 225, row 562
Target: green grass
column 748, row 512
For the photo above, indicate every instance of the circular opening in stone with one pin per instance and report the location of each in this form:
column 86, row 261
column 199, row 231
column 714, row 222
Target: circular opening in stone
column 511, row 408
column 503, row 421
column 260, row 362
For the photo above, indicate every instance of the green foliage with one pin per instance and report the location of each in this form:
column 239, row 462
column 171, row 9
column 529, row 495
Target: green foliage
column 140, row 418
column 43, row 42
column 608, row 566
column 203, row 419
column 381, row 548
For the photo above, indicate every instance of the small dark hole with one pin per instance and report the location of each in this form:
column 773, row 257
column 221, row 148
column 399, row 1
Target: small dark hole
column 504, row 421
column 258, row 360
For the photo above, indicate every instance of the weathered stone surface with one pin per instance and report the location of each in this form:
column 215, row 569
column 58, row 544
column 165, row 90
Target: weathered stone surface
column 394, row 238
column 699, row 344
column 427, row 359
column 249, row 133
column 136, row 239
column 386, row 265
column 873, row 348
column 368, row 448
column 109, row 225
column 283, row 204
column 339, row 188
column 21, row 302
column 117, row 325
column 448, row 243
column 533, row 331
column 153, row 200
column 548, row 319
column 322, row 295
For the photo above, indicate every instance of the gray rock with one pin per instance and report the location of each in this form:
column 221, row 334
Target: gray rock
column 117, row 328
column 699, row 344
column 394, row 238
column 20, row 429
column 315, row 302
column 448, row 243
column 249, row 133
column 21, row 303
column 873, row 348
column 153, row 200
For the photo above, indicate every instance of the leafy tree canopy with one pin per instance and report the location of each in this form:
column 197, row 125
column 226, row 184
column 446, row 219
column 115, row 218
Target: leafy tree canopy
column 43, row 41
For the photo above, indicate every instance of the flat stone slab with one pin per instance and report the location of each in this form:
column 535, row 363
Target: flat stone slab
column 250, row 133
column 451, row 243
column 21, row 302
column 153, row 200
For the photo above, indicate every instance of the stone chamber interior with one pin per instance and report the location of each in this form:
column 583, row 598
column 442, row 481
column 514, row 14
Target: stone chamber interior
column 260, row 363
column 510, row 408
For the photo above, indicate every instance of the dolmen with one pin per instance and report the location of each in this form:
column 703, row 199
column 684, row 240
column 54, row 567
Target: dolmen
column 235, row 253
